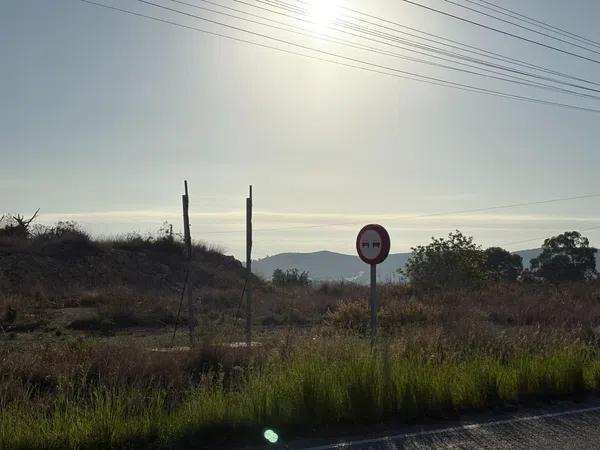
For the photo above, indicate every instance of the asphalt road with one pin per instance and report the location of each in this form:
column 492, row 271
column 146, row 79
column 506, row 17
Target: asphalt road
column 562, row 426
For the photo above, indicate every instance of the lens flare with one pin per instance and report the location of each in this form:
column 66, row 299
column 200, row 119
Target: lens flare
column 323, row 13
column 271, row 436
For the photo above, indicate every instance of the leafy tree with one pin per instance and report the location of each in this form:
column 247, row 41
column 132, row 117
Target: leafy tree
column 290, row 277
column 454, row 262
column 502, row 265
column 566, row 257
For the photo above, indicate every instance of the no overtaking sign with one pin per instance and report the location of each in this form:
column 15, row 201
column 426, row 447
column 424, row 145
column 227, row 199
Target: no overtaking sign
column 373, row 244
column 373, row 247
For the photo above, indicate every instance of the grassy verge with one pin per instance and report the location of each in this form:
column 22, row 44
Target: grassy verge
column 340, row 382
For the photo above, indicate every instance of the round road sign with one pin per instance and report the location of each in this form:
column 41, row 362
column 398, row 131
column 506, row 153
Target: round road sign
column 373, row 244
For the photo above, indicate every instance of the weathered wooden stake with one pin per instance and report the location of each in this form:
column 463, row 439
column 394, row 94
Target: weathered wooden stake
column 188, row 247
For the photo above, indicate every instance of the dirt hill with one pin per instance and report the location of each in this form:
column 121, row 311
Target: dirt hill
column 74, row 261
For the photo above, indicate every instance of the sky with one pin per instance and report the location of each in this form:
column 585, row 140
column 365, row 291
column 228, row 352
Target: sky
column 103, row 115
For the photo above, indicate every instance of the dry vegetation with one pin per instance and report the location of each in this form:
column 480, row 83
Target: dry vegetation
column 437, row 355
column 78, row 370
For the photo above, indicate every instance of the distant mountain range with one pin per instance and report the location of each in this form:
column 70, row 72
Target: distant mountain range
column 325, row 265
column 330, row 266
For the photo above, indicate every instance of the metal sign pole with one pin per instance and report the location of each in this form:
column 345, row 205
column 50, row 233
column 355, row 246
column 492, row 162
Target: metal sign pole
column 249, row 269
column 373, row 301
column 373, row 247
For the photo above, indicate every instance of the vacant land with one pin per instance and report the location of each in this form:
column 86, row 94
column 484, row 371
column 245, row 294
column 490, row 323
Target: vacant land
column 79, row 366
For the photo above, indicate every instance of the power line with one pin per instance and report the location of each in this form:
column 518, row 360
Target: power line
column 483, row 13
column 474, row 50
column 502, row 77
column 516, row 205
column 291, row 52
column 427, row 47
column 379, row 68
column 434, row 49
column 524, row 241
column 368, row 31
column 422, row 216
column 422, row 78
column 498, row 30
column 293, row 8
column 456, row 56
column 531, row 20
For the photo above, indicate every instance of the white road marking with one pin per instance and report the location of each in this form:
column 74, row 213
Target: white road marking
column 455, row 429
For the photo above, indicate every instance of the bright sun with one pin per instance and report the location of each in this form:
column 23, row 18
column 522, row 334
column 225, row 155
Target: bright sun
column 323, row 13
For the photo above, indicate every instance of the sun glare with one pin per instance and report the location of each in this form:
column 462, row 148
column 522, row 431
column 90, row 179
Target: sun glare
column 323, row 13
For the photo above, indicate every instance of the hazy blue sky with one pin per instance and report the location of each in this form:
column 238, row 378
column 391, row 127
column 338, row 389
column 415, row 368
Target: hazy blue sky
column 102, row 115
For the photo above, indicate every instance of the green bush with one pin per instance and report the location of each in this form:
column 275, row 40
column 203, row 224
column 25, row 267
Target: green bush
column 457, row 262
column 451, row 263
column 290, row 277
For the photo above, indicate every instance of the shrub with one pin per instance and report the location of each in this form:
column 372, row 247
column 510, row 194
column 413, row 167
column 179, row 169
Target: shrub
column 339, row 289
column 291, row 277
column 164, row 241
column 64, row 240
column 61, row 230
column 455, row 262
column 395, row 314
column 350, row 315
column 354, row 315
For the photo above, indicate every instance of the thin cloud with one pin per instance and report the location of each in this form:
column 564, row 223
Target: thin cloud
column 266, row 218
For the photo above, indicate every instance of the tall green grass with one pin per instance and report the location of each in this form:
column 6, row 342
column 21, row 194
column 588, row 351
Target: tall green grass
column 327, row 384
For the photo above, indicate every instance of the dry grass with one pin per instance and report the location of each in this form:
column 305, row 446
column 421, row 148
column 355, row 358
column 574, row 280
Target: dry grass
column 438, row 354
column 90, row 395
column 507, row 305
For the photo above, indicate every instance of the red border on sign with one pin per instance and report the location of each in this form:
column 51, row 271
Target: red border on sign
column 385, row 244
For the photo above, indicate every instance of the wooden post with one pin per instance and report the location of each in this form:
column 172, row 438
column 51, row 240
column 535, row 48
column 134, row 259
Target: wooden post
column 188, row 247
column 249, row 269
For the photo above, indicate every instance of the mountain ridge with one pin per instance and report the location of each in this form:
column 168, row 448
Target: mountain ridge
column 325, row 265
